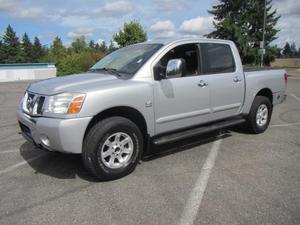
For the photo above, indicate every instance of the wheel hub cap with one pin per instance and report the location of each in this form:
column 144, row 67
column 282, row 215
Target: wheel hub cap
column 117, row 150
column 262, row 115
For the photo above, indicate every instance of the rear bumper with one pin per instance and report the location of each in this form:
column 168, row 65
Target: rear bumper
column 279, row 97
column 63, row 135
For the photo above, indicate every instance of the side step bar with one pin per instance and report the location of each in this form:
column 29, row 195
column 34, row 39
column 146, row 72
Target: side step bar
column 197, row 131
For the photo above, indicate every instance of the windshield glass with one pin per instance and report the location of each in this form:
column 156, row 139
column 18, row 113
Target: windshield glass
column 127, row 60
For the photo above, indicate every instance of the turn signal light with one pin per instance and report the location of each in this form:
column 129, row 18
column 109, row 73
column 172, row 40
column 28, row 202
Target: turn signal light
column 285, row 78
column 76, row 104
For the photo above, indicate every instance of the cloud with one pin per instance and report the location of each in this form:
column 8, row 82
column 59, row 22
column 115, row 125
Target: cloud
column 100, row 41
column 170, row 5
column 161, row 26
column 30, row 13
column 81, row 32
column 289, row 22
column 117, row 8
column 7, row 5
column 75, row 21
column 163, row 29
column 197, row 26
column 287, row 7
column 47, row 35
column 289, row 30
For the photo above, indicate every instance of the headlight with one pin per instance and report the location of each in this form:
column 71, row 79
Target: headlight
column 65, row 103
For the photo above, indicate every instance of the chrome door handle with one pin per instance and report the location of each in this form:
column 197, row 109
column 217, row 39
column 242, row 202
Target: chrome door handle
column 237, row 79
column 202, row 84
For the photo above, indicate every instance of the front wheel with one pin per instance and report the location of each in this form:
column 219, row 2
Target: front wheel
column 260, row 115
column 112, row 148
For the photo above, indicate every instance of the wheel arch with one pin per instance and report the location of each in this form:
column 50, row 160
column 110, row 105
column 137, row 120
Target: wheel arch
column 124, row 111
column 266, row 92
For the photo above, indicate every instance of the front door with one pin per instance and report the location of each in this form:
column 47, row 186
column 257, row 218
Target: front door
column 181, row 101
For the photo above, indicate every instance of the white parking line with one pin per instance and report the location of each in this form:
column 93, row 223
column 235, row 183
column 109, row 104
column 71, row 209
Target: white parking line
column 192, row 206
column 9, row 151
column 294, row 96
column 13, row 167
column 285, row 125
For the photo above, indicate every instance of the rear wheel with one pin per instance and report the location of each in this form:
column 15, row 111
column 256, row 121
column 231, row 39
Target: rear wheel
column 260, row 115
column 112, row 148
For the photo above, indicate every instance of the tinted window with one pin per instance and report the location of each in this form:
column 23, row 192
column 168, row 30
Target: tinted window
column 217, row 58
column 187, row 52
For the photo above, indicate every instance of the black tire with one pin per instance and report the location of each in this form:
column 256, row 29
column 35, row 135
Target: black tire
column 252, row 124
column 95, row 139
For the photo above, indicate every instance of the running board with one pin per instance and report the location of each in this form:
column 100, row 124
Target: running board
column 197, row 131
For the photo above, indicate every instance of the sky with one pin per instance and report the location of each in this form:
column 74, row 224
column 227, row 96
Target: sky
column 100, row 19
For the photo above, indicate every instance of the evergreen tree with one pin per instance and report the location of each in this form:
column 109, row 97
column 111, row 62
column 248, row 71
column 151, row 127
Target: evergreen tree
column 57, row 50
column 27, row 49
column 293, row 50
column 12, row 52
column 1, row 52
column 92, row 45
column 79, row 45
column 38, row 51
column 111, row 47
column 102, row 47
column 131, row 33
column 287, row 52
column 242, row 22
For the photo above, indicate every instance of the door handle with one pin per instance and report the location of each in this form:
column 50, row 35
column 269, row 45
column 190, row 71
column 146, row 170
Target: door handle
column 237, row 79
column 202, row 84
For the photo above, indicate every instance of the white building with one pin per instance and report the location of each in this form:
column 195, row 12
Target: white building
column 26, row 71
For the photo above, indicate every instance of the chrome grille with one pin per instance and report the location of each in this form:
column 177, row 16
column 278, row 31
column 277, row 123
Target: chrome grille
column 33, row 104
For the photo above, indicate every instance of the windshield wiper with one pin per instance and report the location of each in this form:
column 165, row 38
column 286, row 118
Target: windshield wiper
column 109, row 70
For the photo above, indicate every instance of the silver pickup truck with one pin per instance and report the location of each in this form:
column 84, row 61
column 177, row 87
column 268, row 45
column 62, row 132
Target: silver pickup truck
column 147, row 94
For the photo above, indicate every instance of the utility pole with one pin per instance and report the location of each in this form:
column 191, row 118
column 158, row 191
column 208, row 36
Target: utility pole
column 262, row 46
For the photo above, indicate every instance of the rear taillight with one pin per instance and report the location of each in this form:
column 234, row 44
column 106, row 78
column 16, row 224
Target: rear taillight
column 285, row 78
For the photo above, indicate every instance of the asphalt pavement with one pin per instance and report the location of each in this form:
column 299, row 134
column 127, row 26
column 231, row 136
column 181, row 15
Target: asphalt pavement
column 229, row 177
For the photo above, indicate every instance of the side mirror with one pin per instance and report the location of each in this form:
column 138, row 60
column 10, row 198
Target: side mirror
column 175, row 67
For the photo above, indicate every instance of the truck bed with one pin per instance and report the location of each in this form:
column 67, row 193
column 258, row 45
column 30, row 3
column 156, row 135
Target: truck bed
column 254, row 69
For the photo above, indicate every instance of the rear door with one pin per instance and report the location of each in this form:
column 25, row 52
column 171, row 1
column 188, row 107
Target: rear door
column 225, row 81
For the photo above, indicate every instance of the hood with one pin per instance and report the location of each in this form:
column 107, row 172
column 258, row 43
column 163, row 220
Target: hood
column 71, row 83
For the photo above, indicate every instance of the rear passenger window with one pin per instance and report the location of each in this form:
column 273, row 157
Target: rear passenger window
column 217, row 58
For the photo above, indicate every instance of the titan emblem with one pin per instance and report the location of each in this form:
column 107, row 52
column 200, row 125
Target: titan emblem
column 148, row 104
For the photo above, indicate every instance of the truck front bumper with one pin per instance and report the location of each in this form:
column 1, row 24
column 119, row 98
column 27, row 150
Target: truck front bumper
column 53, row 134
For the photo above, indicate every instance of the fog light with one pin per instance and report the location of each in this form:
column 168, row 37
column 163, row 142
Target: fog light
column 45, row 140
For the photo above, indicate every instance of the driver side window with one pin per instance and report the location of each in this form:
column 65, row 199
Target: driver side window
column 188, row 53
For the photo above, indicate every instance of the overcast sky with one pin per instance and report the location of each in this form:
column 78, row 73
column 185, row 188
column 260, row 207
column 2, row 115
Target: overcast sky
column 99, row 19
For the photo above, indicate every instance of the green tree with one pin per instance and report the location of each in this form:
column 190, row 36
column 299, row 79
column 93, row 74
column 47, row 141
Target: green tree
column 131, row 33
column 79, row 45
column 92, row 45
column 27, row 49
column 57, row 51
column 287, row 52
column 76, row 63
column 242, row 22
column 103, row 47
column 111, row 47
column 38, row 51
column 12, row 52
column 293, row 50
column 1, row 52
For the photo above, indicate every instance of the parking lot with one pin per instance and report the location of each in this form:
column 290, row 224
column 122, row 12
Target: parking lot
column 230, row 177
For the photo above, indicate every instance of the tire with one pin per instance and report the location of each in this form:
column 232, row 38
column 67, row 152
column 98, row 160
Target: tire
column 112, row 148
column 260, row 115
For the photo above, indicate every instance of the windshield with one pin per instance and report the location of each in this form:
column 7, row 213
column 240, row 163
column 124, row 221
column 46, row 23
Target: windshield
column 126, row 61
